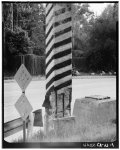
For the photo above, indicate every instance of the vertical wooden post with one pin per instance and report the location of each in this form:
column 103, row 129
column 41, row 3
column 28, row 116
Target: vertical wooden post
column 30, row 125
column 24, row 131
column 24, row 126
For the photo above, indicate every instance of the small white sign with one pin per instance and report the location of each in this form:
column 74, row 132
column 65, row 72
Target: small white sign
column 23, row 77
column 23, row 106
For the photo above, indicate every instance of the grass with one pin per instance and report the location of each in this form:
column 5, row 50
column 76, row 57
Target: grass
column 94, row 133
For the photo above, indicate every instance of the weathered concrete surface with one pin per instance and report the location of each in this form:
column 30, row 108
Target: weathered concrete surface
column 59, row 108
column 63, row 127
column 90, row 111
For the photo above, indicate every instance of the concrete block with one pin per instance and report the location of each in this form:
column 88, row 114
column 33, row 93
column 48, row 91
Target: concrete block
column 63, row 127
column 90, row 111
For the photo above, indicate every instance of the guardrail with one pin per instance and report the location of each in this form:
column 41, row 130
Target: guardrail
column 16, row 125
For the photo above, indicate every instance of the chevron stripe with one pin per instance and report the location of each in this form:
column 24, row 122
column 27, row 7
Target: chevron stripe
column 60, row 87
column 61, row 40
column 49, row 25
column 50, row 46
column 62, row 17
column 58, row 72
column 66, row 33
column 50, row 15
column 58, row 66
column 59, row 60
column 64, row 79
column 57, row 33
column 64, row 85
column 58, row 55
column 58, row 77
column 63, row 21
column 61, row 27
column 48, row 37
column 57, row 45
column 48, row 9
column 57, row 50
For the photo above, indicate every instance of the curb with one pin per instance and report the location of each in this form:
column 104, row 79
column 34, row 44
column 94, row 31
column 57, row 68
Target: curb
column 92, row 77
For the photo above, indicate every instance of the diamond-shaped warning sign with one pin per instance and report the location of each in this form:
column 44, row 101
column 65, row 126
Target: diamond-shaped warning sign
column 23, row 77
column 23, row 106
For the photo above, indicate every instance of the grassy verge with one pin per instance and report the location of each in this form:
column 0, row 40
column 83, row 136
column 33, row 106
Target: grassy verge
column 94, row 133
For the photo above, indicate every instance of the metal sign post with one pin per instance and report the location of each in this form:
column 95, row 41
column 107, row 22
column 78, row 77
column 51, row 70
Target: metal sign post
column 24, row 126
column 23, row 106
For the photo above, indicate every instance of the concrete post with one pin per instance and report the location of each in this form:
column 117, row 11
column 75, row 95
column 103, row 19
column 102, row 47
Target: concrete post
column 58, row 64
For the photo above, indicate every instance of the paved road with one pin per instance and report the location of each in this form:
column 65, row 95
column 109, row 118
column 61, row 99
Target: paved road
column 36, row 91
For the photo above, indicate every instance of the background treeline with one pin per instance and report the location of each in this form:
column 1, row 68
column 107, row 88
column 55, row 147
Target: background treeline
column 94, row 38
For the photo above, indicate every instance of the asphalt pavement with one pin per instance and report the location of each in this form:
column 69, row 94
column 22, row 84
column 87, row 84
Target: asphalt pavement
column 35, row 92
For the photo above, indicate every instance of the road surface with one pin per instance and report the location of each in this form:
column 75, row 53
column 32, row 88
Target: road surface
column 35, row 92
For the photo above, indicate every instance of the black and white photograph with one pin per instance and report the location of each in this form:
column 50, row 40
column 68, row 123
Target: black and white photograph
column 60, row 74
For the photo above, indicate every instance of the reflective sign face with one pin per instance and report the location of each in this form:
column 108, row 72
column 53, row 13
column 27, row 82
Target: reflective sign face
column 23, row 106
column 23, row 77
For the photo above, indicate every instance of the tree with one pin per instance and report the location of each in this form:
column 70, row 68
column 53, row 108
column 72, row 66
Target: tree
column 7, row 23
column 32, row 19
column 82, row 17
column 15, row 40
column 102, row 53
column 38, row 30
column 23, row 28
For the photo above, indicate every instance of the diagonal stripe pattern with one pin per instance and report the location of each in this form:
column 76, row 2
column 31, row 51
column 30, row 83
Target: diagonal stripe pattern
column 58, row 48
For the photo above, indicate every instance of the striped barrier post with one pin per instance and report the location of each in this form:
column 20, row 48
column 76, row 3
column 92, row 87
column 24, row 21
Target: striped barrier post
column 58, row 59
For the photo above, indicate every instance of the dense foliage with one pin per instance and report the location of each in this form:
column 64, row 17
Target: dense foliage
column 24, row 31
column 94, row 37
column 103, row 42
